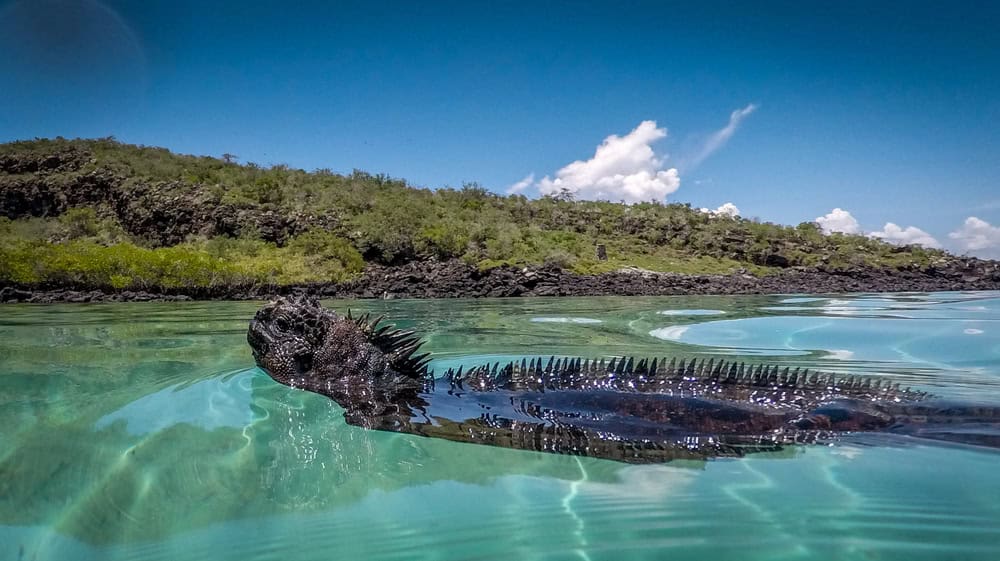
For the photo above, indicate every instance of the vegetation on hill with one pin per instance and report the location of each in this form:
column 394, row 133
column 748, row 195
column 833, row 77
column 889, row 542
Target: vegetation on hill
column 100, row 213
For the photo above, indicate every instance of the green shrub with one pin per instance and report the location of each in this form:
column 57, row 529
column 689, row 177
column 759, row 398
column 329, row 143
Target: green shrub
column 378, row 218
column 79, row 223
column 17, row 263
column 127, row 266
column 326, row 255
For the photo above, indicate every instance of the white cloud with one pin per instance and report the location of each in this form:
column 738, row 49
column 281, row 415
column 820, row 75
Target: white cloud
column 522, row 184
column 978, row 237
column 727, row 209
column 623, row 168
column 719, row 138
column 894, row 234
column 838, row 220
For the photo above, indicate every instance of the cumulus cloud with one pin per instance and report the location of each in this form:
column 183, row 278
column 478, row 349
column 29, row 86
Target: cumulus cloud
column 623, row 168
column 521, row 185
column 719, row 138
column 978, row 237
column 838, row 220
column 894, row 234
column 726, row 209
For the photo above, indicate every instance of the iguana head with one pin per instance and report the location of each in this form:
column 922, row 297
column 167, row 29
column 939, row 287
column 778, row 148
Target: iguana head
column 298, row 342
column 286, row 334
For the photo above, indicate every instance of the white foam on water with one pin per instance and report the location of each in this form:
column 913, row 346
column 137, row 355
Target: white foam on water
column 840, row 354
column 973, row 331
column 847, row 452
column 691, row 312
column 672, row 333
column 565, row 320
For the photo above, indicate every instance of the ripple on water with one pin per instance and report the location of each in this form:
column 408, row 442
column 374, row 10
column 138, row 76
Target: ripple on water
column 122, row 450
column 691, row 312
column 220, row 401
column 801, row 300
column 878, row 503
column 565, row 320
column 931, row 342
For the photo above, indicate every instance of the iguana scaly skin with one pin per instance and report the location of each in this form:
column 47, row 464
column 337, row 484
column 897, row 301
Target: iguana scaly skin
column 637, row 411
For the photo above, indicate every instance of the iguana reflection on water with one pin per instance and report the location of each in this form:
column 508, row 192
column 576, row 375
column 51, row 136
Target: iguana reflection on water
column 629, row 410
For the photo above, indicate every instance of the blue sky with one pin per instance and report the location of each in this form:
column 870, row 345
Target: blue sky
column 787, row 110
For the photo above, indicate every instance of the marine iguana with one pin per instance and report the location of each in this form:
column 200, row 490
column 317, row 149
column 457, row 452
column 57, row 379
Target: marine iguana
column 629, row 410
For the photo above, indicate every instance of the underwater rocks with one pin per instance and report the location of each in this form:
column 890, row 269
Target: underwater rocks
column 455, row 279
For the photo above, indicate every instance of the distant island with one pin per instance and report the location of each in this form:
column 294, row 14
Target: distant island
column 96, row 220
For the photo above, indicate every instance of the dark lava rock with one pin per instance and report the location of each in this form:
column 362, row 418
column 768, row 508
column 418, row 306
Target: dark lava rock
column 39, row 196
column 69, row 159
column 14, row 295
column 776, row 260
column 455, row 279
column 163, row 213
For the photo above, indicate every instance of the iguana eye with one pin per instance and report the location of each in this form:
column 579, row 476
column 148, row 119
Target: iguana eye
column 282, row 324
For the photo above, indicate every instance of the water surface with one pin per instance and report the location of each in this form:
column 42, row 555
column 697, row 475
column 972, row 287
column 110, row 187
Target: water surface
column 143, row 431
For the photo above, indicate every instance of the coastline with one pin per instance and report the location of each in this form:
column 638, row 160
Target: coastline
column 98, row 220
column 454, row 279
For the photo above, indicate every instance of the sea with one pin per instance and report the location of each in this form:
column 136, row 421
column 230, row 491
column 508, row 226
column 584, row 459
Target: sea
column 144, row 431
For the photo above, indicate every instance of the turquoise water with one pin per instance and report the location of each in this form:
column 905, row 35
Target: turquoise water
column 143, row 431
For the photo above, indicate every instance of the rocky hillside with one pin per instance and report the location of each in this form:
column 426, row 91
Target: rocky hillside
column 161, row 212
column 97, row 217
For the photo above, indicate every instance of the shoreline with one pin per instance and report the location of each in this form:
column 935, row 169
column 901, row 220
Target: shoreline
column 454, row 279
